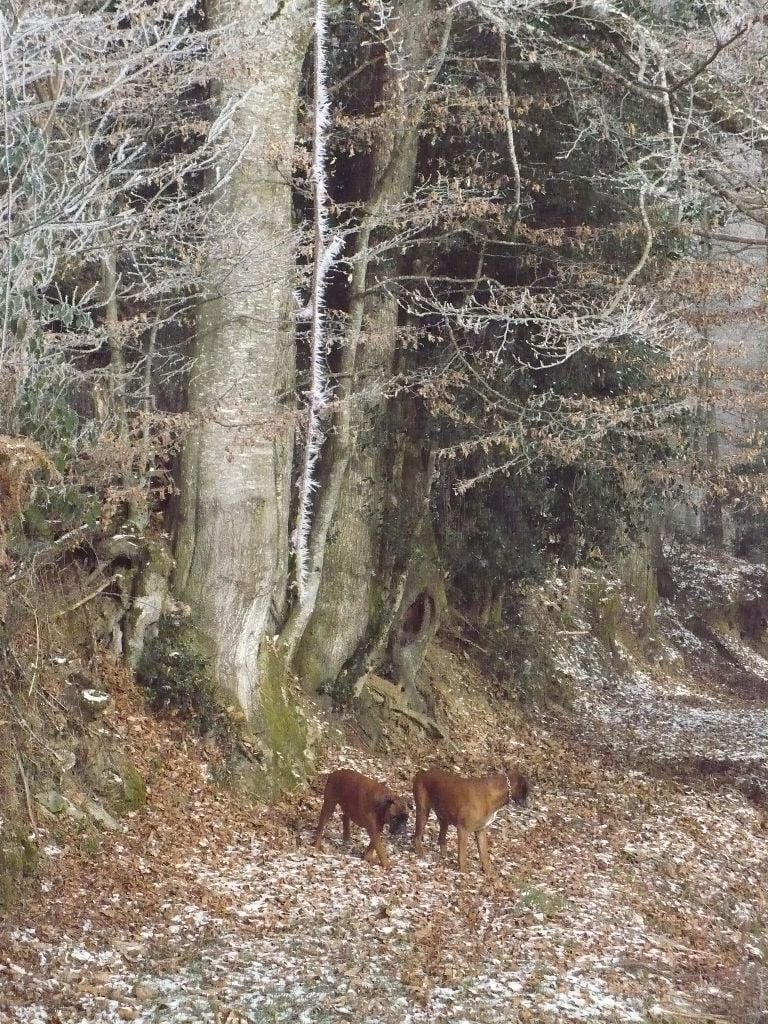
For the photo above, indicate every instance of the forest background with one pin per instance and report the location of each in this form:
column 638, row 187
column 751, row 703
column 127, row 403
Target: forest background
column 321, row 321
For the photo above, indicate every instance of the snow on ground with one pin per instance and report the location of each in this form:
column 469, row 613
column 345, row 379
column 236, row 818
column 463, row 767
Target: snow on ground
column 641, row 714
column 624, row 893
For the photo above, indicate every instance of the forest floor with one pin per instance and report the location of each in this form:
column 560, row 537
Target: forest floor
column 631, row 888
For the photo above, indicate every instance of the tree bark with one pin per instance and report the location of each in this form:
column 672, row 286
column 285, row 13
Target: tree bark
column 349, row 595
column 232, row 540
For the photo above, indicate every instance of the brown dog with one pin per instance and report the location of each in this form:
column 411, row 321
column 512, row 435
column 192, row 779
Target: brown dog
column 366, row 802
column 469, row 804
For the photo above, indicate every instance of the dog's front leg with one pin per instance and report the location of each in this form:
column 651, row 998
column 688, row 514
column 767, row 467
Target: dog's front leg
column 463, row 836
column 376, row 848
column 345, row 829
column 443, row 840
column 481, row 838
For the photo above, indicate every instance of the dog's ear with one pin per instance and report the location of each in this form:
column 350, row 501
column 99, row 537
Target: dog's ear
column 384, row 801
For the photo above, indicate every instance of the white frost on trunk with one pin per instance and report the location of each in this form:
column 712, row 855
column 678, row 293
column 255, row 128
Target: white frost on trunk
column 326, row 253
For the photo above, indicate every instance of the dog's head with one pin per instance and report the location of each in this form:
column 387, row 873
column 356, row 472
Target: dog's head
column 518, row 785
column 395, row 813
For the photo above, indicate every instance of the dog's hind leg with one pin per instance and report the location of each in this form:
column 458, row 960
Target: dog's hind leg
column 422, row 813
column 345, row 829
column 326, row 813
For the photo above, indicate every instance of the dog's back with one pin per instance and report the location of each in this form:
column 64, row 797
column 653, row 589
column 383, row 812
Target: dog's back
column 459, row 801
column 352, row 791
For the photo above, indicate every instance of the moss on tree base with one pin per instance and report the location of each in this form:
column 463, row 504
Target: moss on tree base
column 266, row 755
column 284, row 728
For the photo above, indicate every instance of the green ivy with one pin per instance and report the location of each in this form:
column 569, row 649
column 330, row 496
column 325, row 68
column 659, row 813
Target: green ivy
column 177, row 676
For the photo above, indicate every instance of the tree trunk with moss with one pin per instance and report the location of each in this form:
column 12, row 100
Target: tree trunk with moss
column 232, row 539
column 355, row 587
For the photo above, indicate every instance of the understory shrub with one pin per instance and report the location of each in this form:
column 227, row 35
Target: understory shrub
column 177, row 676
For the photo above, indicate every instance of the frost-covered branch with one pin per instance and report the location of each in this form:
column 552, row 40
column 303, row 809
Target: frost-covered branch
column 555, row 326
column 112, row 163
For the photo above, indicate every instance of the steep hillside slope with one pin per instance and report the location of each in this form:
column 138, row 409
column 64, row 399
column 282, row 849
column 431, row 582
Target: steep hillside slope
column 632, row 888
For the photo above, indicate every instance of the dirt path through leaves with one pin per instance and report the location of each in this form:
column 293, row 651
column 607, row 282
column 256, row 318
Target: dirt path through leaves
column 627, row 891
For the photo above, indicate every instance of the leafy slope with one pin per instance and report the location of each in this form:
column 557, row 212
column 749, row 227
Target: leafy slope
column 631, row 889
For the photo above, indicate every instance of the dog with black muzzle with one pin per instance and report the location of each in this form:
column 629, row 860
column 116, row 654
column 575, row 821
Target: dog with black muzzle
column 368, row 803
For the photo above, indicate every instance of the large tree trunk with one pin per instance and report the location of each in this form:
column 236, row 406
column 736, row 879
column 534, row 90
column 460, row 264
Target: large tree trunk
column 347, row 596
column 353, row 589
column 232, row 541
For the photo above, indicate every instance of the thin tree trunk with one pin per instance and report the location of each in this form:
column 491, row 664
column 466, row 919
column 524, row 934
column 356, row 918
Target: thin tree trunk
column 146, row 461
column 117, row 377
